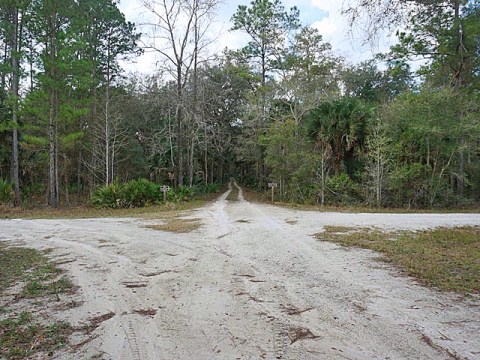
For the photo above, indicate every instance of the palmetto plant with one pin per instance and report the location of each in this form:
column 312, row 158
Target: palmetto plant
column 342, row 123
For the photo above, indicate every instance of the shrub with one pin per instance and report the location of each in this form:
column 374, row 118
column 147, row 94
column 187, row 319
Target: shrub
column 207, row 189
column 6, row 191
column 341, row 189
column 139, row 192
column 212, row 188
column 184, row 193
column 108, row 196
column 408, row 184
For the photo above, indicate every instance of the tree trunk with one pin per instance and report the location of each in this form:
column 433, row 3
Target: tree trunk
column 52, row 152
column 53, row 173
column 107, row 130
column 461, row 161
column 179, row 115
column 14, row 92
column 379, row 180
column 191, row 160
column 206, row 156
column 79, row 175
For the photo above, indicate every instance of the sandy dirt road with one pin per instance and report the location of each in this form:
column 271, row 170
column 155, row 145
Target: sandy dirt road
column 251, row 283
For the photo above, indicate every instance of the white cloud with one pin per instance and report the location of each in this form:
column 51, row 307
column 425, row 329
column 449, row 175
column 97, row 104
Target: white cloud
column 327, row 27
column 336, row 30
column 324, row 15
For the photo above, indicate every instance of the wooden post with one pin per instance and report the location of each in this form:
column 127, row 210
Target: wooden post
column 272, row 186
column 165, row 189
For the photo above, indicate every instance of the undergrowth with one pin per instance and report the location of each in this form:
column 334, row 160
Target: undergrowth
column 142, row 192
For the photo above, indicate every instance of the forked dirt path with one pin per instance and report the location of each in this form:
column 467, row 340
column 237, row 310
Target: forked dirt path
column 251, row 283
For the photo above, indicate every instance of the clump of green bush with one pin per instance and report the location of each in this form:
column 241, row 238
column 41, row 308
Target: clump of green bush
column 6, row 191
column 342, row 190
column 142, row 192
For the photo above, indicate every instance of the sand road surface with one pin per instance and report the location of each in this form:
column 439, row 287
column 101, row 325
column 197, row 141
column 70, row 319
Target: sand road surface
column 250, row 283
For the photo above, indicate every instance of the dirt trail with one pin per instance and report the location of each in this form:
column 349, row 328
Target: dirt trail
column 251, row 283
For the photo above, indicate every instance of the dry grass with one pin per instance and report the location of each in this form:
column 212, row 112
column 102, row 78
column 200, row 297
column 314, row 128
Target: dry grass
column 233, row 196
column 24, row 336
column 86, row 212
column 331, row 229
column 446, row 258
column 265, row 198
column 177, row 225
column 24, row 333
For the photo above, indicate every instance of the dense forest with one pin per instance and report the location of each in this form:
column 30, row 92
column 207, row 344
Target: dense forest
column 399, row 130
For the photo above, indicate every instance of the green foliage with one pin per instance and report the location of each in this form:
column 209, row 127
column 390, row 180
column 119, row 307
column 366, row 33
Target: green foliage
column 138, row 193
column 292, row 163
column 378, row 161
column 210, row 188
column 342, row 123
column 448, row 35
column 429, row 131
column 184, row 193
column 267, row 24
column 408, row 184
column 108, row 196
column 281, row 109
column 6, row 191
column 341, row 189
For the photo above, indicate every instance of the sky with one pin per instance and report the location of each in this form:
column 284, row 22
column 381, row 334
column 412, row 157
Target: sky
column 323, row 15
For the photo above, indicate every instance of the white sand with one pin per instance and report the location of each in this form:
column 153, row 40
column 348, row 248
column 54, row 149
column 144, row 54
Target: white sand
column 221, row 292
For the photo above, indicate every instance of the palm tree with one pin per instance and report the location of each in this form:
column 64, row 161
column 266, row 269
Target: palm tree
column 342, row 124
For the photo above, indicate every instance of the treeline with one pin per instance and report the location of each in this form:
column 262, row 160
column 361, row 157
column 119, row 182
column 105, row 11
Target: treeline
column 58, row 115
column 283, row 109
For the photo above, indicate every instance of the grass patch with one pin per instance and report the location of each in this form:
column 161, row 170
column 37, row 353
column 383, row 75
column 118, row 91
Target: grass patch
column 331, row 229
column 21, row 337
column 87, row 212
column 446, row 258
column 32, row 267
column 233, row 195
column 36, row 288
column 16, row 262
column 177, row 225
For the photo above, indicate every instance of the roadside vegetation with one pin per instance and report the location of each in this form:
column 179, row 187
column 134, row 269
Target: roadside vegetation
column 286, row 108
column 29, row 282
column 142, row 192
column 445, row 258
column 254, row 195
column 115, row 200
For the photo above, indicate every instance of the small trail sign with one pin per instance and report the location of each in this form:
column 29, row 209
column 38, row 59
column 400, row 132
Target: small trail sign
column 165, row 189
column 272, row 186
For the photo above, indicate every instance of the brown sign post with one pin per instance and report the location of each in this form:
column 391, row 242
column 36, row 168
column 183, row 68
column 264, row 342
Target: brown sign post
column 272, row 186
